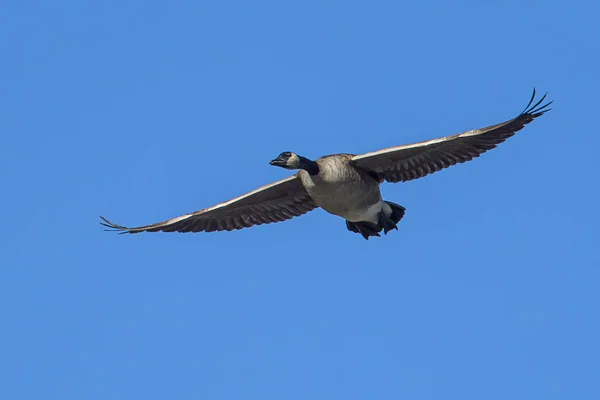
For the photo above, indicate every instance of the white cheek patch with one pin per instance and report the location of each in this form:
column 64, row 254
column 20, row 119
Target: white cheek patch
column 294, row 160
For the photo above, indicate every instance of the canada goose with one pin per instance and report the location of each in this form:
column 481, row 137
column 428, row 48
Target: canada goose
column 345, row 185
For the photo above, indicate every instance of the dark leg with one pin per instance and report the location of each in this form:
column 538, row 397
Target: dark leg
column 366, row 229
column 386, row 223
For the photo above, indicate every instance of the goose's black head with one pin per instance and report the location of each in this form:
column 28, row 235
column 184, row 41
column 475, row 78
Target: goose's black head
column 289, row 160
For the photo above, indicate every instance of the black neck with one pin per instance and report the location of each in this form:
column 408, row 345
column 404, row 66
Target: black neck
column 309, row 166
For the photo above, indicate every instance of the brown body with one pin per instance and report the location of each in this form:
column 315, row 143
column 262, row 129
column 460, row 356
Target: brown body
column 342, row 189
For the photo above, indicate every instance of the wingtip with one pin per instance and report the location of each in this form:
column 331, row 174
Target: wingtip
column 535, row 109
column 112, row 227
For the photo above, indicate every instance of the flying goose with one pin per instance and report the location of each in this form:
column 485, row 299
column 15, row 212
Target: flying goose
column 346, row 185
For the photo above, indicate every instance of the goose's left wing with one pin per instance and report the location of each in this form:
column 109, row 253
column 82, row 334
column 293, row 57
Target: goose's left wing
column 278, row 201
column 412, row 161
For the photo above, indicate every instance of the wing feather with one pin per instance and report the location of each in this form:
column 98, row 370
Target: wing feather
column 413, row 161
column 278, row 201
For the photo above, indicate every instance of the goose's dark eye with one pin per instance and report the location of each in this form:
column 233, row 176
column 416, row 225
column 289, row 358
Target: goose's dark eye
column 287, row 154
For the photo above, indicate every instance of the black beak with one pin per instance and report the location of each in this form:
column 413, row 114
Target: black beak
column 278, row 162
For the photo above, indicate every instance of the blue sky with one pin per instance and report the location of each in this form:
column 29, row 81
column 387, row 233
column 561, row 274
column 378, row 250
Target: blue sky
column 141, row 111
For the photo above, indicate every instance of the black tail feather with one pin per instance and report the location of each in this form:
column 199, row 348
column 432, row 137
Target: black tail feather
column 397, row 212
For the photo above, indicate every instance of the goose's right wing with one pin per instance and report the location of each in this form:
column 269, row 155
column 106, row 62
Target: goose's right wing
column 278, row 201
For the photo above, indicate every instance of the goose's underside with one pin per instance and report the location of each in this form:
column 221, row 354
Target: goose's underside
column 291, row 197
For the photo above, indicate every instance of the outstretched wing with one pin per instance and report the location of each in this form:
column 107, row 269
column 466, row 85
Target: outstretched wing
column 279, row 201
column 413, row 161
